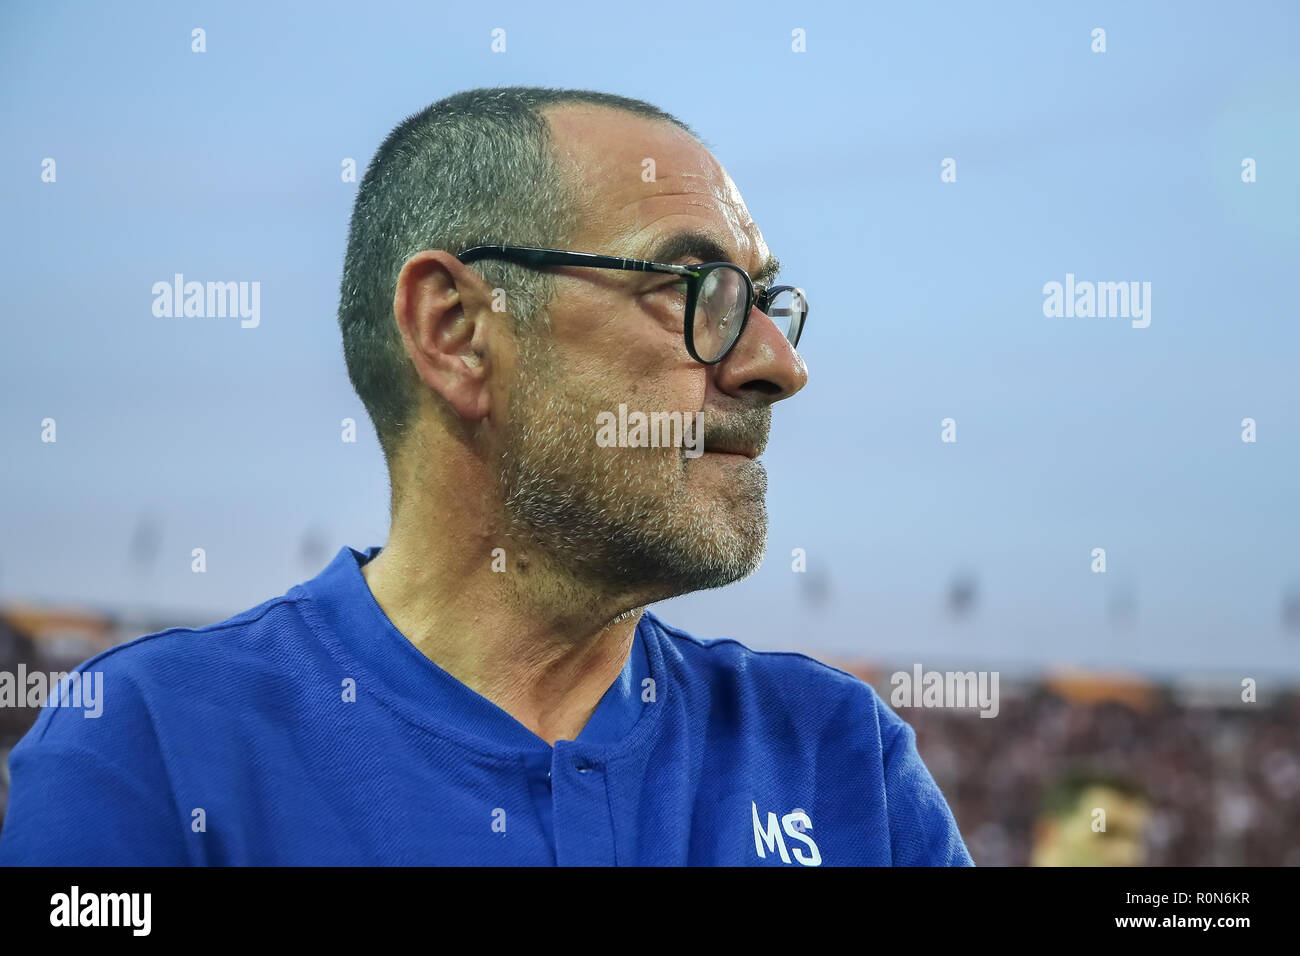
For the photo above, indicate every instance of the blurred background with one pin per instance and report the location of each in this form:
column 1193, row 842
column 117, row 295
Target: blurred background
column 923, row 172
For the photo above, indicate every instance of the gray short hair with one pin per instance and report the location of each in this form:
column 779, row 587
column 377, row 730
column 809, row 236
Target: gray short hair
column 474, row 168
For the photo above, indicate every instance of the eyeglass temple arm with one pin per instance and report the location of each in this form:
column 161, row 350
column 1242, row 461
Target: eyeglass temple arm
column 558, row 257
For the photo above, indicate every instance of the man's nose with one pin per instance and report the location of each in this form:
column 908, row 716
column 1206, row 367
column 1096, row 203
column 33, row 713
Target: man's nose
column 762, row 362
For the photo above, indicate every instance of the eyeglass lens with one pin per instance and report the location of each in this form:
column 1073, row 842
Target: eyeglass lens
column 719, row 312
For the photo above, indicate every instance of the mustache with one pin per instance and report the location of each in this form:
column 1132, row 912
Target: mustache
column 746, row 428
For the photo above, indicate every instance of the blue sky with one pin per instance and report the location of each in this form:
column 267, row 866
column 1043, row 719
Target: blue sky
column 1073, row 433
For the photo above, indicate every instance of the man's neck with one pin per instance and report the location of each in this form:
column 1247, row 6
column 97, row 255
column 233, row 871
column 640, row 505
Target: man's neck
column 515, row 634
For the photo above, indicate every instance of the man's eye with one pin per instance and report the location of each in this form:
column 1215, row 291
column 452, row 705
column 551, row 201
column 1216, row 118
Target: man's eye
column 669, row 301
column 672, row 289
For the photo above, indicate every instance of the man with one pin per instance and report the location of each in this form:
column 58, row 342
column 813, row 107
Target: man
column 1091, row 818
column 488, row 687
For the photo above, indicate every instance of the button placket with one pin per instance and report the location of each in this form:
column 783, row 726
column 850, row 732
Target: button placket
column 584, row 833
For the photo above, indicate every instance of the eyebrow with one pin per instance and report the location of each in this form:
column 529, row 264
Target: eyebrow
column 700, row 245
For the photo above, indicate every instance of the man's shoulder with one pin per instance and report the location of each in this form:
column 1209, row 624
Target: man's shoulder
column 275, row 633
column 135, row 682
column 259, row 628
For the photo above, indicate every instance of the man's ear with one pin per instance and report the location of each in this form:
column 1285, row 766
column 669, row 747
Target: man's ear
column 442, row 308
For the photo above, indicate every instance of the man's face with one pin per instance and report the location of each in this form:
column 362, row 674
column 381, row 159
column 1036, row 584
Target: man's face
column 651, row 520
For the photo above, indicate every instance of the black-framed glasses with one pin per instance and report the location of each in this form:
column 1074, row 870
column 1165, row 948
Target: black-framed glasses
column 719, row 295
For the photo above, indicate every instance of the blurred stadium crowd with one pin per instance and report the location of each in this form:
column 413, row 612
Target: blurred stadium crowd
column 1188, row 775
column 1204, row 778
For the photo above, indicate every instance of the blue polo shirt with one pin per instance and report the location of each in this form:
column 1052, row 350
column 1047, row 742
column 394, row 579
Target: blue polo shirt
column 309, row 731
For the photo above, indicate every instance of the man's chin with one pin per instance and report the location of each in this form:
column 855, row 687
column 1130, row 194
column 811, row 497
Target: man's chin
column 725, row 547
column 742, row 464
column 683, row 578
column 742, row 565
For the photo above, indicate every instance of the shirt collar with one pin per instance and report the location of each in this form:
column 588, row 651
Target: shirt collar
column 349, row 621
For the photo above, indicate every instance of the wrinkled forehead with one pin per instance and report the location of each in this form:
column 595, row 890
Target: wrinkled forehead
column 642, row 181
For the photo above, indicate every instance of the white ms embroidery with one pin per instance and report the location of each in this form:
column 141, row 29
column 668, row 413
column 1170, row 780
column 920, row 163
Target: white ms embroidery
column 796, row 824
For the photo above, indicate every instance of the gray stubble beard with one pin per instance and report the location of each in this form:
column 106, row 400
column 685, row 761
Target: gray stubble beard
column 619, row 519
